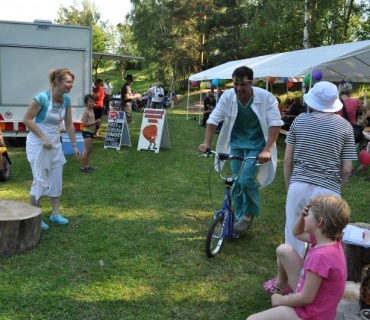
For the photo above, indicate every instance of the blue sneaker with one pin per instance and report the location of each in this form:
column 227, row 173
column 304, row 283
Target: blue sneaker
column 44, row 226
column 59, row 219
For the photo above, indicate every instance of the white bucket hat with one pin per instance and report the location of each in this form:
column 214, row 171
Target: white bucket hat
column 324, row 97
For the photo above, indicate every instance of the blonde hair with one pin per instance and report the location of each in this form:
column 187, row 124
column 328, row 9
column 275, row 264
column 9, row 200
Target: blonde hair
column 58, row 75
column 335, row 214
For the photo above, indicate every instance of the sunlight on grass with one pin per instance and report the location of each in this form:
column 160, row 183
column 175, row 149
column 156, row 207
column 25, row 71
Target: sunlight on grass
column 135, row 245
column 130, row 290
column 173, row 230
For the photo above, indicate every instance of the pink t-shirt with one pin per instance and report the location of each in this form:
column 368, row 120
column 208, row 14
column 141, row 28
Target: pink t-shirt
column 351, row 106
column 329, row 262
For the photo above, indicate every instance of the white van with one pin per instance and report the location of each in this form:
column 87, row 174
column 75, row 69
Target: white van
column 28, row 52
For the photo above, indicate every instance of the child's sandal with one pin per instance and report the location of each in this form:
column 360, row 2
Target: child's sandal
column 270, row 287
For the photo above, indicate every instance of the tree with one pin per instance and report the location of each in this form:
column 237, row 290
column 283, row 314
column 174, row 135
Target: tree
column 125, row 45
column 339, row 21
column 166, row 34
column 178, row 38
column 87, row 16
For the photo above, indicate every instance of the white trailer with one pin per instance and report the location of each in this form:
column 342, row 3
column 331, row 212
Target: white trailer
column 28, row 52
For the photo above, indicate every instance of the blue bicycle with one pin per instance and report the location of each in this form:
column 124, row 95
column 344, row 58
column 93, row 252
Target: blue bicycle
column 223, row 224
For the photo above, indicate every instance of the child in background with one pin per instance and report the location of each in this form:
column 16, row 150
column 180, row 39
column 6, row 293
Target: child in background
column 98, row 94
column 313, row 292
column 89, row 123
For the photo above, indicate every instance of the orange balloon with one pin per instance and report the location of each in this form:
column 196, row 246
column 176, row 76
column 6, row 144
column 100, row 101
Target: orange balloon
column 271, row 79
column 289, row 84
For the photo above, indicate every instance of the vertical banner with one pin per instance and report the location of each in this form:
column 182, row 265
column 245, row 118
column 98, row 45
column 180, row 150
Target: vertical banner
column 117, row 131
column 154, row 131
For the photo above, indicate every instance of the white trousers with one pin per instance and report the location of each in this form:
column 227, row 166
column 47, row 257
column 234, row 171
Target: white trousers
column 55, row 183
column 299, row 195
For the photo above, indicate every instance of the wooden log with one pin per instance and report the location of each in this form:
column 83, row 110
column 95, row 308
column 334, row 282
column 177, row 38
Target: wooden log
column 20, row 227
column 357, row 256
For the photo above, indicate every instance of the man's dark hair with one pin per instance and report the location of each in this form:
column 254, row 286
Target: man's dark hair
column 243, row 72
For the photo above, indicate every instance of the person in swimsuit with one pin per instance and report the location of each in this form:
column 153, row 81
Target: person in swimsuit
column 89, row 123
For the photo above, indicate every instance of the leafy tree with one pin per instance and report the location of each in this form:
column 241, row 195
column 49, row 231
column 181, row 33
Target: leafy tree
column 87, row 16
column 166, row 34
column 179, row 38
column 125, row 45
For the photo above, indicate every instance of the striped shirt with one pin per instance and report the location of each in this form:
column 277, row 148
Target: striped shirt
column 321, row 142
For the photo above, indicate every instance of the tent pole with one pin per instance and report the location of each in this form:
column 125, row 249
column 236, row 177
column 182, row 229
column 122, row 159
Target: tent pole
column 309, row 88
column 287, row 92
column 200, row 103
column 187, row 106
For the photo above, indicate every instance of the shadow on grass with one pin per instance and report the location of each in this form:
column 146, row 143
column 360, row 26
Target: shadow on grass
column 127, row 265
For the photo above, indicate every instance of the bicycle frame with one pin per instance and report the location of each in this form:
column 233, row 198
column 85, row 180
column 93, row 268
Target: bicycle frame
column 227, row 212
column 223, row 224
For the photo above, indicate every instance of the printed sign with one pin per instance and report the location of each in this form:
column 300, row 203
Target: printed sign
column 117, row 131
column 154, row 131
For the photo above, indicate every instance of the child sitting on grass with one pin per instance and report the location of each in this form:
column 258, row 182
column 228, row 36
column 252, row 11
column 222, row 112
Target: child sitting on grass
column 314, row 291
column 89, row 123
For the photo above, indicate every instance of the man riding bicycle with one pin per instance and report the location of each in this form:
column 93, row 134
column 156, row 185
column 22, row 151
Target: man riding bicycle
column 251, row 127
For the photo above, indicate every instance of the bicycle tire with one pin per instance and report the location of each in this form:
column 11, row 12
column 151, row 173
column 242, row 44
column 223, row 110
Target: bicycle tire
column 5, row 174
column 214, row 237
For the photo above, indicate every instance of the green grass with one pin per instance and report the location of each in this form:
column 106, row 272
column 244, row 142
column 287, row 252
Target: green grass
column 145, row 216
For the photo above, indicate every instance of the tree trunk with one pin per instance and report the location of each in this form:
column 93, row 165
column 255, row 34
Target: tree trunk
column 20, row 227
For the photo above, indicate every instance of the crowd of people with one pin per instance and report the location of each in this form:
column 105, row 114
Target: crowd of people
column 251, row 122
column 128, row 100
column 311, row 265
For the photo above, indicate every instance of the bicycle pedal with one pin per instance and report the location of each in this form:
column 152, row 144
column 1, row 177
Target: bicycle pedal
column 236, row 235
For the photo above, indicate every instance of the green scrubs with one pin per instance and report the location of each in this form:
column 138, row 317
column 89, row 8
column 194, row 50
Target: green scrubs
column 246, row 140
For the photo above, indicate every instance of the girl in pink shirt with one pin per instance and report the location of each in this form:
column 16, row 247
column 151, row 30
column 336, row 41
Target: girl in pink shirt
column 311, row 289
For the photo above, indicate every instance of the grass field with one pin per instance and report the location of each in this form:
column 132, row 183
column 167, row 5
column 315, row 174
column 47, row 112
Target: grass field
column 135, row 245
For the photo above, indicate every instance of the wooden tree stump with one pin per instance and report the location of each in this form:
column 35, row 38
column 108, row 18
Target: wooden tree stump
column 357, row 256
column 20, row 227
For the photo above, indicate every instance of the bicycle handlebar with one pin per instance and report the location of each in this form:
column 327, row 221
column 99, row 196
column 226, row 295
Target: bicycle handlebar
column 228, row 156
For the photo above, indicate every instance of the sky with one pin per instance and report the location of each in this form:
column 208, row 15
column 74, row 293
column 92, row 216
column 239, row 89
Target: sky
column 29, row 10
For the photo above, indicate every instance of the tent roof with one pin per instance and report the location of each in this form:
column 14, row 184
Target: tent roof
column 224, row 71
column 335, row 62
column 117, row 57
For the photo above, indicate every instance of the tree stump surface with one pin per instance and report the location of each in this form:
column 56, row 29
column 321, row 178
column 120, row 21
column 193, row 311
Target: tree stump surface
column 357, row 256
column 20, row 227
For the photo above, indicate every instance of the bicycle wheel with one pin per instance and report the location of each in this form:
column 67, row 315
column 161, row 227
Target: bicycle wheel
column 214, row 237
column 5, row 174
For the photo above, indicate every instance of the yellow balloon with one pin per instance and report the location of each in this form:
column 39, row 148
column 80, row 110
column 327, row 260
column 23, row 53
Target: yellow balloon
column 203, row 85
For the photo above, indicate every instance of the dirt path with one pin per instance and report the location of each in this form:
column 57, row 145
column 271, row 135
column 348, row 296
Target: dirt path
column 194, row 107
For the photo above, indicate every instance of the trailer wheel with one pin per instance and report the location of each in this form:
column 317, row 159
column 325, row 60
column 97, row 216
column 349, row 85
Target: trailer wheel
column 5, row 173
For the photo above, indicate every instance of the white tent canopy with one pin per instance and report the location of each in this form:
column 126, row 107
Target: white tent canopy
column 350, row 60
column 336, row 62
column 224, row 71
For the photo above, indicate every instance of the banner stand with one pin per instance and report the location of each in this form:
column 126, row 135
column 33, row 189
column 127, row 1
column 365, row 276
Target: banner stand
column 154, row 133
column 117, row 131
